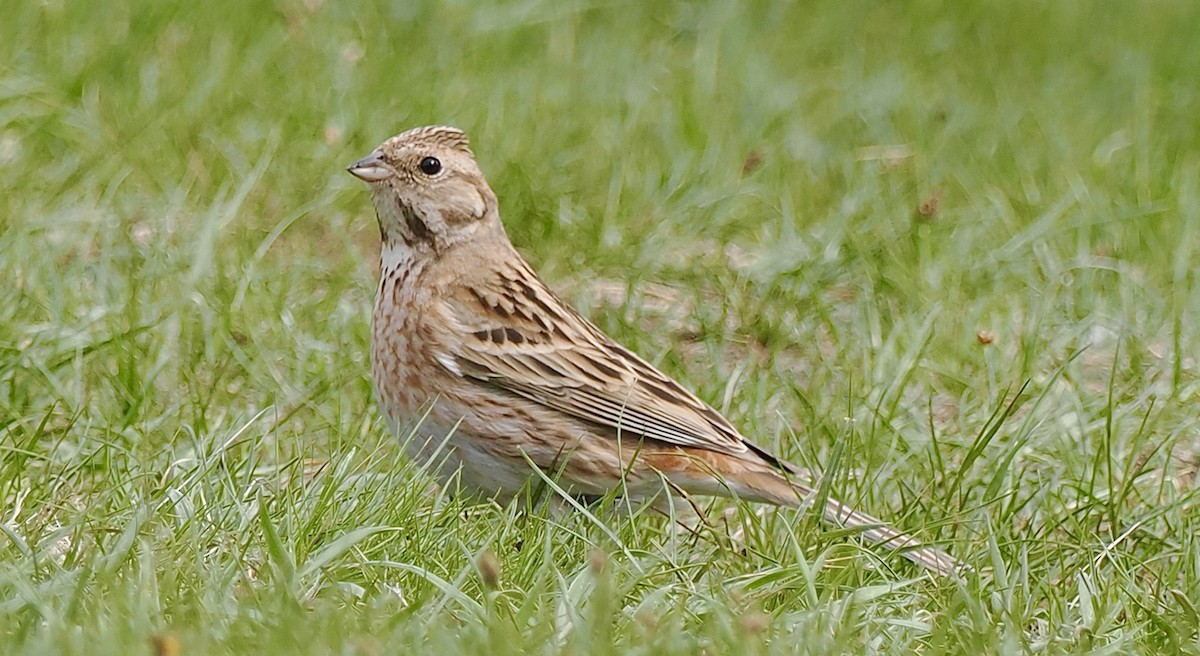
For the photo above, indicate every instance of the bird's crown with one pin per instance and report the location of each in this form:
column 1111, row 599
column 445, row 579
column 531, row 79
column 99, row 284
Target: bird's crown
column 440, row 135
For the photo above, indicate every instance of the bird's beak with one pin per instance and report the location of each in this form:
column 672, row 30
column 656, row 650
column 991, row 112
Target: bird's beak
column 370, row 168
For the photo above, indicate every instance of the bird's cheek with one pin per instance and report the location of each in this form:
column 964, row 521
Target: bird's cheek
column 468, row 206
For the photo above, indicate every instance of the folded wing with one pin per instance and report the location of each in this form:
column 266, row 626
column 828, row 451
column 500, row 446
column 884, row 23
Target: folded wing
column 523, row 339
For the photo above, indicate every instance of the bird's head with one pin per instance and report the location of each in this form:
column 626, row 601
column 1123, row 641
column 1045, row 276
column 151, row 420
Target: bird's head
column 428, row 191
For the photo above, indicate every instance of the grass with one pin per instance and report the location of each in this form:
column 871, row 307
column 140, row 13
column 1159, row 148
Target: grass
column 944, row 251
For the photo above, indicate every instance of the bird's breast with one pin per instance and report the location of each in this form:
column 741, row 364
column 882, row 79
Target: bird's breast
column 399, row 341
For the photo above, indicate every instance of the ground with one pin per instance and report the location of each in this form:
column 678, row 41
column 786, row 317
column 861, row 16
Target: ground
column 943, row 252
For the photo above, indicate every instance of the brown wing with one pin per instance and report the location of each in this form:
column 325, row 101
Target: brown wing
column 520, row 337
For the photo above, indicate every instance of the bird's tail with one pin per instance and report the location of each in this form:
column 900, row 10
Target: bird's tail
column 790, row 489
column 878, row 532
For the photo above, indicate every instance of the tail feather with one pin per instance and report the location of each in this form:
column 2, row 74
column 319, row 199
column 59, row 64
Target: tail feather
column 796, row 490
column 878, row 532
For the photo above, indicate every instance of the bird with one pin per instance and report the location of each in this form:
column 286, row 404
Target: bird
column 499, row 375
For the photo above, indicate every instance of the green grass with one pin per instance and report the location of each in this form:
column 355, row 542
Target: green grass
column 732, row 190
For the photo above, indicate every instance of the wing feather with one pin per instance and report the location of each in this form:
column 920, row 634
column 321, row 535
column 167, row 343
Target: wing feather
column 525, row 340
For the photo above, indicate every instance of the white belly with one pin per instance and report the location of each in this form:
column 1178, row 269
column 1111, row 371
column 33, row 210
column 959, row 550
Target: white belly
column 455, row 460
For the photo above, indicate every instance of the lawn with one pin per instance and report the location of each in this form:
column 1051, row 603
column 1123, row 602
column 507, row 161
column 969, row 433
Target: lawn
column 944, row 252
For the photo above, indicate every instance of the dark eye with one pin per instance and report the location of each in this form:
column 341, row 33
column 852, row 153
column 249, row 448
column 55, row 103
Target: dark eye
column 430, row 166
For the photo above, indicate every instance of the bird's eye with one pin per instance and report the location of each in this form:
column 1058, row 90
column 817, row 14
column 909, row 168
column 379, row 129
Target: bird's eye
column 430, row 166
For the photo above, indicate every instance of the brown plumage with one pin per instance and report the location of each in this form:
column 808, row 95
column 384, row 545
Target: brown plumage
column 500, row 372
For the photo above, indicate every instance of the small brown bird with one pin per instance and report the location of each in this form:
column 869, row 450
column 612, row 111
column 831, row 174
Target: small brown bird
column 499, row 372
